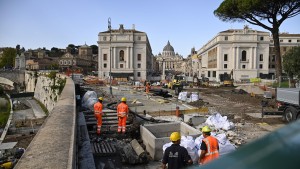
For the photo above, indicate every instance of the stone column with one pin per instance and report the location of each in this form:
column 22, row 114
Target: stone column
column 251, row 58
column 238, row 60
column 115, row 57
column 132, row 58
column 128, row 58
column 233, row 57
column 163, row 71
column 255, row 58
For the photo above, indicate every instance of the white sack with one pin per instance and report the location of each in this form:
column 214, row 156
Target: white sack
column 89, row 99
column 219, row 122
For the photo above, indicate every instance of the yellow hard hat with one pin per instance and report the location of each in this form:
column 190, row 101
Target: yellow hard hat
column 100, row 98
column 175, row 136
column 123, row 99
column 206, row 129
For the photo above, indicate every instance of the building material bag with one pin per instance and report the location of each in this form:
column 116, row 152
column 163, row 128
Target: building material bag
column 219, row 122
column 182, row 96
column 89, row 99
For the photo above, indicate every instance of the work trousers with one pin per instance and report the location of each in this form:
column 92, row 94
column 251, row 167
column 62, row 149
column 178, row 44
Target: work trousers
column 122, row 124
column 99, row 123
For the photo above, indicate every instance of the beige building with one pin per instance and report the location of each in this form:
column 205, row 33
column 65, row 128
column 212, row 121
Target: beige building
column 243, row 51
column 85, row 60
column 168, row 62
column 287, row 42
column 126, row 53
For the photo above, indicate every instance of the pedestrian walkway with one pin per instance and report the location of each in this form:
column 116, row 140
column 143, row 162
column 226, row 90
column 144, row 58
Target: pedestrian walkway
column 36, row 108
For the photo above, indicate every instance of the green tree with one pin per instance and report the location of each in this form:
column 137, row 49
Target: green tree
column 94, row 49
column 8, row 57
column 256, row 11
column 291, row 63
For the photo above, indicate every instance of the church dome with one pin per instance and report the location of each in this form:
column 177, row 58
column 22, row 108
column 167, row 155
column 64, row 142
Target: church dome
column 168, row 47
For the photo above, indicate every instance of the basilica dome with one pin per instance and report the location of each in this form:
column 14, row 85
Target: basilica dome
column 168, row 47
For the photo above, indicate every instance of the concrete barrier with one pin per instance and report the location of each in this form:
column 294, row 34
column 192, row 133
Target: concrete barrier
column 54, row 144
column 154, row 136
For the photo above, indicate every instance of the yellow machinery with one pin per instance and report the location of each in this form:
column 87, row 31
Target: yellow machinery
column 176, row 83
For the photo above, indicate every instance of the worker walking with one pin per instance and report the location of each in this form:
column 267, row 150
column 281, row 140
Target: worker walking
column 98, row 107
column 209, row 147
column 122, row 112
column 147, row 89
column 176, row 156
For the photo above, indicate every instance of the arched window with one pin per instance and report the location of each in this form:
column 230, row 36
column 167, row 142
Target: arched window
column 121, row 55
column 244, row 55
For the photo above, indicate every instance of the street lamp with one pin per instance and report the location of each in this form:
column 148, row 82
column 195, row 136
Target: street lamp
column 109, row 27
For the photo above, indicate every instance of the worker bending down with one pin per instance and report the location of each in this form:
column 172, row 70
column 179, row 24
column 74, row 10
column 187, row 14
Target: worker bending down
column 209, row 147
column 176, row 156
column 98, row 107
column 122, row 112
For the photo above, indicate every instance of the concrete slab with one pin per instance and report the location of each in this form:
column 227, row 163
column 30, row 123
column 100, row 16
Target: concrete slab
column 154, row 136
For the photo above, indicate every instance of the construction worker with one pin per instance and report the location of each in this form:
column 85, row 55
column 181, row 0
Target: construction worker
column 176, row 156
column 209, row 147
column 122, row 112
column 147, row 89
column 98, row 114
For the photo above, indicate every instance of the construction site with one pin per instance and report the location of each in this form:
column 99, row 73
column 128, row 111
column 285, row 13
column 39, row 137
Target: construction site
column 233, row 112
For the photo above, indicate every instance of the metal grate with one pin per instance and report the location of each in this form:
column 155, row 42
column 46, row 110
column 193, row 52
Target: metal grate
column 103, row 148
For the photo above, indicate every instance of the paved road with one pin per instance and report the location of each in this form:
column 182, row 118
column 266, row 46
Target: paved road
column 37, row 110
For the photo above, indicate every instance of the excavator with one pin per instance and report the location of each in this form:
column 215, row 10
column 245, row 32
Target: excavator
column 176, row 83
column 228, row 79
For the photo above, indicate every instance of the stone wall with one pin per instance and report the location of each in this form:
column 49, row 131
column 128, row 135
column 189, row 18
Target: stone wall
column 44, row 88
column 54, row 144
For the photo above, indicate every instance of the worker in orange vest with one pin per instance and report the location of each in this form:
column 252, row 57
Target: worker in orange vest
column 122, row 112
column 209, row 147
column 98, row 114
column 147, row 89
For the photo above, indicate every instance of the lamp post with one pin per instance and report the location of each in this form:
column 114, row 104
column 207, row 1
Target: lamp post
column 109, row 27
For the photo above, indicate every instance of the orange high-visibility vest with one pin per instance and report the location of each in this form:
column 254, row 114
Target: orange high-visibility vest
column 212, row 151
column 122, row 109
column 98, row 109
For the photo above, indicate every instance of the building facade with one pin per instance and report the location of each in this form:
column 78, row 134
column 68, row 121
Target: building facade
column 243, row 52
column 287, row 42
column 84, row 60
column 168, row 62
column 126, row 53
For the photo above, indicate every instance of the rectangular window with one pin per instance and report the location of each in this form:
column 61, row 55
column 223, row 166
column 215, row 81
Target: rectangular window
column 225, row 66
column 281, row 40
column 104, row 56
column 260, row 66
column 225, row 57
column 139, row 38
column 139, row 65
column 139, row 74
column 261, row 57
column 104, row 65
column 208, row 75
column 261, row 38
column 104, row 38
column 214, row 74
column 121, row 65
column 273, row 66
column 226, row 37
column 244, row 66
column 139, row 57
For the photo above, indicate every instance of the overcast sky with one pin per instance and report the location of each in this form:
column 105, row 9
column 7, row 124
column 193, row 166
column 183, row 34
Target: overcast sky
column 57, row 23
